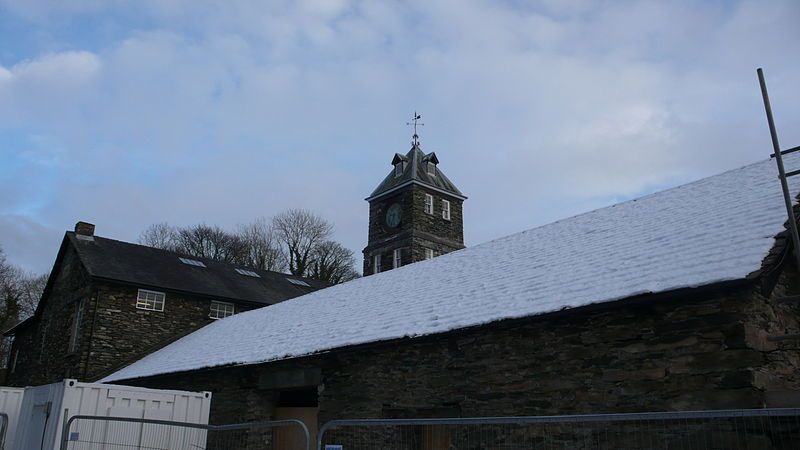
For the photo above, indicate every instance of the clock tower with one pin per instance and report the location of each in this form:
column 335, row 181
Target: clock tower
column 414, row 214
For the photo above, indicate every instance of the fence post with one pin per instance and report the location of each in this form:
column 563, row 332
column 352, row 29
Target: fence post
column 65, row 432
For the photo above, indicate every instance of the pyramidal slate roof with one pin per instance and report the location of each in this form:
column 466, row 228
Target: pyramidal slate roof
column 707, row 232
column 415, row 172
column 141, row 265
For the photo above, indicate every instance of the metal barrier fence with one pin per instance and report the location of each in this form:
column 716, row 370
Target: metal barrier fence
column 731, row 429
column 3, row 430
column 120, row 433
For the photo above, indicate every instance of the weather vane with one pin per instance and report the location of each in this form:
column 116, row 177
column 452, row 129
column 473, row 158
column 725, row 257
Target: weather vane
column 415, row 121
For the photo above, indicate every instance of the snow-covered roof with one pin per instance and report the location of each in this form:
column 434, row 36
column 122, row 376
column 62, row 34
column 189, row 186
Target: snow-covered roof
column 715, row 229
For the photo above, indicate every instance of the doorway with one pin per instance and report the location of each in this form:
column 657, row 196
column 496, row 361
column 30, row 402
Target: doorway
column 299, row 404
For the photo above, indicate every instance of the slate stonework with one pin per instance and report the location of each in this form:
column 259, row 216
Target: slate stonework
column 42, row 349
column 682, row 352
column 417, row 230
column 123, row 333
column 113, row 332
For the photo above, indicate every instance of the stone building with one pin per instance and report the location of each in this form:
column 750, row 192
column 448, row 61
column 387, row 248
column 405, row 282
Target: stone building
column 416, row 213
column 679, row 300
column 108, row 303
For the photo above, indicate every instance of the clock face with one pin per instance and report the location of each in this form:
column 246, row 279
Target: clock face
column 393, row 215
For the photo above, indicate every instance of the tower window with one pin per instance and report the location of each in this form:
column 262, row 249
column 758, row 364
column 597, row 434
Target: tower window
column 396, row 258
column 376, row 264
column 428, row 253
column 398, row 169
column 428, row 204
column 431, row 168
column 445, row 209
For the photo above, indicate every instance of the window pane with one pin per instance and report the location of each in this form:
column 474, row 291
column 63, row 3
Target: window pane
column 221, row 310
column 150, row 300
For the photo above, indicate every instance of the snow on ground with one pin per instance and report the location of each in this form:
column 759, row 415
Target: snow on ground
column 719, row 228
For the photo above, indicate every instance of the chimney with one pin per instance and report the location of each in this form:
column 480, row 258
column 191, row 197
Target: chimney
column 84, row 228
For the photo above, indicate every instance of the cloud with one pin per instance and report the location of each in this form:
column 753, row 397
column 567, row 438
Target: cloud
column 225, row 111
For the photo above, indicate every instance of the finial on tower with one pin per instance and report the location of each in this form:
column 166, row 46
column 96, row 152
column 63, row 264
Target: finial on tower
column 415, row 121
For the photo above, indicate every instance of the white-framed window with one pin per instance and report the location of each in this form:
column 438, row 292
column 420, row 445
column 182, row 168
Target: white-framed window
column 376, row 264
column 221, row 310
column 150, row 300
column 428, row 204
column 428, row 253
column 431, row 168
column 446, row 209
column 76, row 326
column 398, row 169
column 397, row 256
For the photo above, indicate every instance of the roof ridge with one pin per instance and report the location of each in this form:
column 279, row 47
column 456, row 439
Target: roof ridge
column 624, row 202
column 188, row 256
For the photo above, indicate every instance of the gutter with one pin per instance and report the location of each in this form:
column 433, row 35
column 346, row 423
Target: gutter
column 198, row 294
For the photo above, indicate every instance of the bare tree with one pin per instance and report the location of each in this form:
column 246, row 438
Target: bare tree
column 206, row 241
column 301, row 231
column 296, row 240
column 9, row 294
column 262, row 246
column 159, row 235
column 333, row 263
column 19, row 295
column 30, row 289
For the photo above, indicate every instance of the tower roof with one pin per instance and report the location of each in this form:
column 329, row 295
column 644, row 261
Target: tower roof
column 415, row 172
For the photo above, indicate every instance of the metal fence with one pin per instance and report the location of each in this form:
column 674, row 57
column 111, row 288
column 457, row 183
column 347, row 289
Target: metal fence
column 731, row 429
column 3, row 430
column 120, row 433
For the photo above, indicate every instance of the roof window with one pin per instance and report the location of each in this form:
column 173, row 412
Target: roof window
column 192, row 262
column 298, row 282
column 248, row 273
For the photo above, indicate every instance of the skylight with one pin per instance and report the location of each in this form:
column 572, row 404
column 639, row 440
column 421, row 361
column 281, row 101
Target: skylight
column 192, row 262
column 249, row 273
column 298, row 282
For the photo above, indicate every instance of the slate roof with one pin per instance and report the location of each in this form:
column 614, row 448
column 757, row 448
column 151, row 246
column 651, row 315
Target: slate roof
column 124, row 262
column 715, row 230
column 416, row 172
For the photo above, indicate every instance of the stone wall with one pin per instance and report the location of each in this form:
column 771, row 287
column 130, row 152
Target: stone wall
column 123, row 333
column 112, row 332
column 682, row 352
column 42, row 348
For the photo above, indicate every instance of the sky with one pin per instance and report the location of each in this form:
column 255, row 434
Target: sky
column 128, row 113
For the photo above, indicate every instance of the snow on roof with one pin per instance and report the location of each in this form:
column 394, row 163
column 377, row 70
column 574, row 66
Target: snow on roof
column 716, row 229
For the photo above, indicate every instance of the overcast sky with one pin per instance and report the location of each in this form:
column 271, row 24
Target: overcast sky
column 129, row 113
